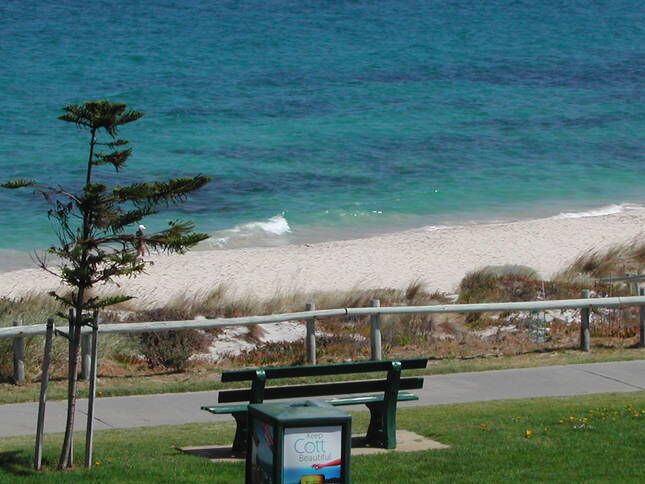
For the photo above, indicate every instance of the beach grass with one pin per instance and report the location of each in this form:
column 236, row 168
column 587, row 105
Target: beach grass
column 138, row 365
column 595, row 438
column 617, row 260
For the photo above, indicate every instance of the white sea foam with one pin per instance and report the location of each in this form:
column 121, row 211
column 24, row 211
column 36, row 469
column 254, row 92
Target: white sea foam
column 277, row 225
column 265, row 232
column 598, row 212
column 434, row 228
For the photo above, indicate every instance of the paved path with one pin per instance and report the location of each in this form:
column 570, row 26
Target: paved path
column 179, row 408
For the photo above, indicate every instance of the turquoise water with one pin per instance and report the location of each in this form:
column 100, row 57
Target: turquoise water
column 332, row 119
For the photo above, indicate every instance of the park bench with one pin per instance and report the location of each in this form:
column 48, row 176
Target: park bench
column 379, row 395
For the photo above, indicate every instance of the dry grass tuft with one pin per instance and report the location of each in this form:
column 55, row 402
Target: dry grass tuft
column 614, row 261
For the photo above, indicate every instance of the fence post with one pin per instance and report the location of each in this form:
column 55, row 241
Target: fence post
column 641, row 343
column 632, row 285
column 86, row 356
column 18, row 357
column 310, row 338
column 375, row 331
column 584, row 324
column 42, row 400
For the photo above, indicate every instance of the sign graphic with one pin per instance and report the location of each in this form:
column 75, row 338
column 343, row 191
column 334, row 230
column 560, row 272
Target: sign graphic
column 262, row 452
column 312, row 455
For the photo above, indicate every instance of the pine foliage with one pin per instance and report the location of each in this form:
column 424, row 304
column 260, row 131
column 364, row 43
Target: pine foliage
column 97, row 241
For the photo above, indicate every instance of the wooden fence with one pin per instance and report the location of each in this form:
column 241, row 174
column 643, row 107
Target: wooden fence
column 19, row 332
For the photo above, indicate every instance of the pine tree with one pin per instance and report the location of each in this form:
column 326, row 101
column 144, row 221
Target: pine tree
column 93, row 227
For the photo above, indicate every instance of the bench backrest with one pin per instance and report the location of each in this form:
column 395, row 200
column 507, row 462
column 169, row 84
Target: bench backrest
column 258, row 392
column 273, row 372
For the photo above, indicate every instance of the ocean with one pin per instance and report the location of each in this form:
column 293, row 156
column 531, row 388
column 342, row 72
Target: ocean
column 323, row 120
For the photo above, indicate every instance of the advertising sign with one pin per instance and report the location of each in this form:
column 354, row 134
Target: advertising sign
column 262, row 448
column 312, row 455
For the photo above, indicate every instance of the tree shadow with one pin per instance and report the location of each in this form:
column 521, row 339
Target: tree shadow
column 16, row 462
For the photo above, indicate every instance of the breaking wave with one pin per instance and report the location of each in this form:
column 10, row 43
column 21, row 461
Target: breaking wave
column 272, row 231
column 598, row 212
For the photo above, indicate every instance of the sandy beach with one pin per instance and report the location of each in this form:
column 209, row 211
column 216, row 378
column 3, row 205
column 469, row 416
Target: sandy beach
column 438, row 257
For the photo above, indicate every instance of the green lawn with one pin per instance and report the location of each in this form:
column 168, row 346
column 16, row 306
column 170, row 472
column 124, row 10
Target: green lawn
column 580, row 439
column 202, row 379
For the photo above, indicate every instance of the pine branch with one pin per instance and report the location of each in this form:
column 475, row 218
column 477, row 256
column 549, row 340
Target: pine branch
column 121, row 220
column 99, row 115
column 172, row 191
column 100, row 303
column 66, row 300
column 177, row 238
column 117, row 158
column 77, row 114
column 114, row 144
column 18, row 183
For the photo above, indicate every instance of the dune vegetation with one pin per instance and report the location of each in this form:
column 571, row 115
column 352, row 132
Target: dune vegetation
column 443, row 337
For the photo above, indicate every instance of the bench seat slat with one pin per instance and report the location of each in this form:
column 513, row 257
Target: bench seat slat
column 321, row 370
column 222, row 409
column 320, row 389
column 337, row 402
column 362, row 399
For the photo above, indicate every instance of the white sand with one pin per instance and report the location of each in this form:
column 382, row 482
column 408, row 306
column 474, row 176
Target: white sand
column 440, row 258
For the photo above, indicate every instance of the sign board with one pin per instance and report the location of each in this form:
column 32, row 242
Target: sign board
column 312, row 455
column 262, row 448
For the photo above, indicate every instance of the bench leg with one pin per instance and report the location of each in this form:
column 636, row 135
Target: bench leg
column 382, row 429
column 241, row 432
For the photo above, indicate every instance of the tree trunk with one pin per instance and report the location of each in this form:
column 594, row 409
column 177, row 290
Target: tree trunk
column 65, row 460
column 66, row 455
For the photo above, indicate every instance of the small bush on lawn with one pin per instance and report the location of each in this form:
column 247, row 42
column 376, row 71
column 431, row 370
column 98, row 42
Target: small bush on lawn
column 173, row 349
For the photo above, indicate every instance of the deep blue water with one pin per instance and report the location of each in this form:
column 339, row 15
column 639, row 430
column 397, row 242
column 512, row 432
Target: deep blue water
column 343, row 118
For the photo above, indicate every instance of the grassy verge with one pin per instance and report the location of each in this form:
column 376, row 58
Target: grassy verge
column 596, row 438
column 207, row 379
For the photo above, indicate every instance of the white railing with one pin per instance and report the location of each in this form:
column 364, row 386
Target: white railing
column 375, row 311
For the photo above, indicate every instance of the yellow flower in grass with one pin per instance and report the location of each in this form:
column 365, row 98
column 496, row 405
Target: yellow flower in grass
column 528, row 433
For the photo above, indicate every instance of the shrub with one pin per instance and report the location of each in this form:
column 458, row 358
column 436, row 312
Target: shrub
column 508, row 283
column 173, row 349
column 499, row 283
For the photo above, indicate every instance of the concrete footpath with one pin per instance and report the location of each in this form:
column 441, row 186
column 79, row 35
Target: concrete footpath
column 180, row 408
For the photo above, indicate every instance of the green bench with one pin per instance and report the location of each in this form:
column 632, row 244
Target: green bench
column 379, row 395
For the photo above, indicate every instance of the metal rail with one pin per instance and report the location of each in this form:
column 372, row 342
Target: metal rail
column 152, row 326
column 18, row 332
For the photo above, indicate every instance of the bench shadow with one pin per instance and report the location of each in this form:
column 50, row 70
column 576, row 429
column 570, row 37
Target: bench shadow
column 16, row 462
column 224, row 452
column 216, row 453
column 407, row 442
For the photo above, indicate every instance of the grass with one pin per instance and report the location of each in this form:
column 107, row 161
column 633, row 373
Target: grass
column 205, row 378
column 617, row 260
column 596, row 438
